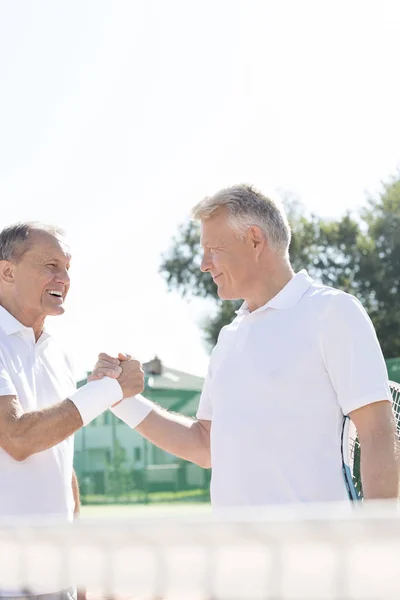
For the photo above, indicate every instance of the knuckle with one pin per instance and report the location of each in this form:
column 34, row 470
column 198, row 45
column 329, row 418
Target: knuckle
column 103, row 356
column 107, row 364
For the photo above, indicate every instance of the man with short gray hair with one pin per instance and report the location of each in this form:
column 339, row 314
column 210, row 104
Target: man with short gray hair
column 40, row 408
column 295, row 361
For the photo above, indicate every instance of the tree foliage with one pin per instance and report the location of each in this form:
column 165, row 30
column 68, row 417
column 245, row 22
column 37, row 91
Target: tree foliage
column 358, row 255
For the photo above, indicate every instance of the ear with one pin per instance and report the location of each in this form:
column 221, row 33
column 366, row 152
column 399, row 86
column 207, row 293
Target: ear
column 6, row 271
column 257, row 237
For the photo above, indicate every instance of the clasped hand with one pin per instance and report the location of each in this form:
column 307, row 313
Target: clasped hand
column 127, row 370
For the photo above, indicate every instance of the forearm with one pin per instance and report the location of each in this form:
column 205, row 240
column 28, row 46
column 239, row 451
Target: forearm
column 380, row 468
column 36, row 431
column 177, row 434
column 23, row 434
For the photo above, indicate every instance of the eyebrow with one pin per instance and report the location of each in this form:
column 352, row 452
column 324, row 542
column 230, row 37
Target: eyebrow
column 213, row 245
column 46, row 257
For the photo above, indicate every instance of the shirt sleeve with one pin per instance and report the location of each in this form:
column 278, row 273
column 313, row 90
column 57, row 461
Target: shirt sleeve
column 7, row 387
column 204, row 411
column 352, row 354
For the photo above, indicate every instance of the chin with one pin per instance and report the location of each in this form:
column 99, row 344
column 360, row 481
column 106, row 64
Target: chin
column 224, row 295
column 229, row 294
column 56, row 312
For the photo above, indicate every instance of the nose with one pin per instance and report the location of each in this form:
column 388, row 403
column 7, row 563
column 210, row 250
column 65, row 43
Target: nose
column 205, row 264
column 63, row 277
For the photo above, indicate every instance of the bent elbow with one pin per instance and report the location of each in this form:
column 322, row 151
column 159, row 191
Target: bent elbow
column 17, row 450
column 203, row 446
column 17, row 454
column 204, row 461
column 21, row 455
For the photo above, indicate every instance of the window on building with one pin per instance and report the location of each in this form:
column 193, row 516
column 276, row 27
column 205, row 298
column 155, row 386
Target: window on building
column 137, row 454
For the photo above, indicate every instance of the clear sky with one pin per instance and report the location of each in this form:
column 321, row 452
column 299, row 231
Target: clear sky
column 117, row 116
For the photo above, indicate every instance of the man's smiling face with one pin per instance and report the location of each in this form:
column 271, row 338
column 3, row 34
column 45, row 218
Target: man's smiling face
column 227, row 256
column 40, row 276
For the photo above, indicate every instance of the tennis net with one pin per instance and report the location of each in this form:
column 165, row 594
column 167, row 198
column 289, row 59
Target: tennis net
column 312, row 552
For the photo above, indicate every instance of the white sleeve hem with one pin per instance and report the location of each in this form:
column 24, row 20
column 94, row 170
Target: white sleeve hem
column 8, row 391
column 353, row 404
column 203, row 416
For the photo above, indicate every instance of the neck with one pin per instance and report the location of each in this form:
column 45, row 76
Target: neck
column 271, row 284
column 23, row 316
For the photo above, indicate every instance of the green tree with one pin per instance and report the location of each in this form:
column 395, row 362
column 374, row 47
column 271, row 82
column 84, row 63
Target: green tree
column 118, row 475
column 358, row 255
column 379, row 266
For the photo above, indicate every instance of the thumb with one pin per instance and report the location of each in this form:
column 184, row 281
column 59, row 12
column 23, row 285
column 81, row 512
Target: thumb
column 123, row 356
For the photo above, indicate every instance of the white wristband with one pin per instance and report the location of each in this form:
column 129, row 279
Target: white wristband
column 95, row 397
column 133, row 410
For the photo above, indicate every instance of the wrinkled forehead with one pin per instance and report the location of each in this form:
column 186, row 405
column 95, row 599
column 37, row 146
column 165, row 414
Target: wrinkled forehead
column 215, row 228
column 46, row 244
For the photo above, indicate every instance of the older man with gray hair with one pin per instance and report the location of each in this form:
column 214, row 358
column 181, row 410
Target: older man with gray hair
column 295, row 361
column 40, row 408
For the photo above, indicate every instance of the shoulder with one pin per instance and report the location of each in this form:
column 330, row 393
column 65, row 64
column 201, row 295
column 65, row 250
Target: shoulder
column 339, row 314
column 229, row 329
column 329, row 301
column 224, row 342
column 6, row 349
column 4, row 339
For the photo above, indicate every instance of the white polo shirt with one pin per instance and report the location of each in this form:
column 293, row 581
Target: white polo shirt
column 39, row 374
column 280, row 380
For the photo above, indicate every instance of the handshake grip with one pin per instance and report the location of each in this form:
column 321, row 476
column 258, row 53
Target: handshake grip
column 126, row 370
column 131, row 378
column 112, row 380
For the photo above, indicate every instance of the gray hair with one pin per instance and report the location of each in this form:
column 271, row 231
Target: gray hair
column 246, row 207
column 14, row 239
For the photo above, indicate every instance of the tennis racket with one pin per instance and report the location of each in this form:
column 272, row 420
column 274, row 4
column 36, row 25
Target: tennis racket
column 351, row 450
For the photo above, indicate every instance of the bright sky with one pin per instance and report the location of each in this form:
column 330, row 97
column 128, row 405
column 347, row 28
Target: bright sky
column 117, row 116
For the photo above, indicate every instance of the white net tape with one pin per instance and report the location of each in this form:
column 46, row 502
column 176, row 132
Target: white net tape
column 338, row 552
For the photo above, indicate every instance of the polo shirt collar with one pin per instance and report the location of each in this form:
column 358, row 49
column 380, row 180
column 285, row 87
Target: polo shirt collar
column 288, row 297
column 11, row 325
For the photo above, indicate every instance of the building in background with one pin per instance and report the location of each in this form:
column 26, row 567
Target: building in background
column 112, row 459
